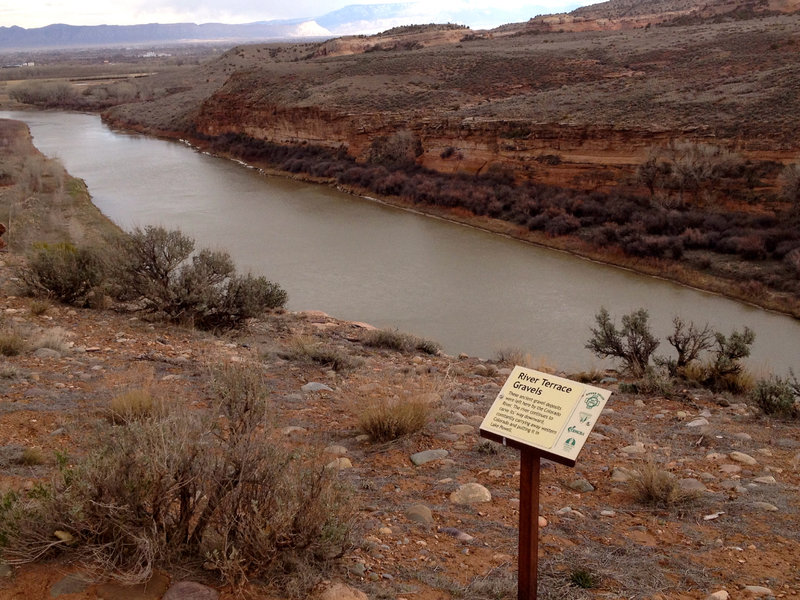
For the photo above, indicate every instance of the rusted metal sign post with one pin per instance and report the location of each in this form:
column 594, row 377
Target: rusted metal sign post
column 543, row 416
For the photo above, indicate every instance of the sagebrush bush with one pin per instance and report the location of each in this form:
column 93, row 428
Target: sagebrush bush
column 392, row 339
column 634, row 343
column 64, row 272
column 158, row 268
column 778, row 396
column 189, row 487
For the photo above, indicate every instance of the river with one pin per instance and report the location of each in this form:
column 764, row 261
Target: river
column 473, row 291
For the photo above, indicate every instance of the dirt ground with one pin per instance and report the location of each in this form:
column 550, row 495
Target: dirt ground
column 742, row 530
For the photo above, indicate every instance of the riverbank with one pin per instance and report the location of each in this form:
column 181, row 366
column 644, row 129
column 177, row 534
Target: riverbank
column 728, row 276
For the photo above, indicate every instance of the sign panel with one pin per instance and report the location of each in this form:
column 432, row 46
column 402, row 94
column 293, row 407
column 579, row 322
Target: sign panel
column 546, row 412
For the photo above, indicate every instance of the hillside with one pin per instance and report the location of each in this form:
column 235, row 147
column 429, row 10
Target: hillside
column 664, row 148
column 731, row 532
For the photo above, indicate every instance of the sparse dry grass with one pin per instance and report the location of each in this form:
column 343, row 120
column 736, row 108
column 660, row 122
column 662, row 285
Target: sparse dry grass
column 11, row 342
column 55, row 338
column 387, row 420
column 135, row 404
column 654, row 486
column 307, row 350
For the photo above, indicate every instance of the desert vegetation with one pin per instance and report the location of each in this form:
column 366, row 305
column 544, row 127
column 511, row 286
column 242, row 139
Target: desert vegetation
column 157, row 269
column 203, row 486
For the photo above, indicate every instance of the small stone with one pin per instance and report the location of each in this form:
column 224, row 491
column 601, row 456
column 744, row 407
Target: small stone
column 315, row 386
column 294, row 431
column 47, row 353
column 471, row 493
column 720, row 595
column 743, row 458
column 608, row 513
column 639, row 403
column 691, row 485
column 743, row 437
column 385, row 531
column 339, row 464
column 730, row 469
column 580, row 485
column 714, row 456
column 340, row 591
column 681, row 414
column 621, row 474
column 419, row 513
column 698, row 422
column 767, row 480
column 765, row 506
column 637, row 448
column 426, row 456
column 462, row 429
column 756, row 591
column 333, row 449
column 542, row 521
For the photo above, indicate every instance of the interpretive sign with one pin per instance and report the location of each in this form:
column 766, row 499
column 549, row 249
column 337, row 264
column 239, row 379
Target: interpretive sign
column 543, row 416
column 551, row 414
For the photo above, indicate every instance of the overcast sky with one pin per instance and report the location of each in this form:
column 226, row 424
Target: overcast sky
column 38, row 13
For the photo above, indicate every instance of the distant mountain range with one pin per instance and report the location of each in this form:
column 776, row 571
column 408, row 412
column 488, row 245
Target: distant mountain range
column 353, row 19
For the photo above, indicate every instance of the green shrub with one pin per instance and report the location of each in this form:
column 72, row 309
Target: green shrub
column 64, row 272
column 392, row 339
column 778, row 396
column 689, row 342
column 583, row 579
column 158, row 268
column 633, row 344
column 725, row 372
column 190, row 486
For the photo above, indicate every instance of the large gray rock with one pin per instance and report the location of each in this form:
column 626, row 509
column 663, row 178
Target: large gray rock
column 471, row 493
column 426, row 456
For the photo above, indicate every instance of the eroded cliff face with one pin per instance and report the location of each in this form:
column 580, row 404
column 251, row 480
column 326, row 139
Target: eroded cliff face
column 582, row 157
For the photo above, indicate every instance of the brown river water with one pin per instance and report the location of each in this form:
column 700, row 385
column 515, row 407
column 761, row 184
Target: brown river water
column 353, row 258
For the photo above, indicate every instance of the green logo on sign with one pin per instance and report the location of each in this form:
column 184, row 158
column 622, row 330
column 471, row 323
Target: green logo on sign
column 592, row 400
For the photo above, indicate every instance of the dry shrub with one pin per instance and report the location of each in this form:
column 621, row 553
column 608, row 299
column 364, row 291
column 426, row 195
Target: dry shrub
column 135, row 404
column 653, row 486
column 32, row 456
column 39, row 307
column 11, row 343
column 54, row 339
column 190, row 487
column 387, row 420
column 392, row 339
column 305, row 349
column 514, row 357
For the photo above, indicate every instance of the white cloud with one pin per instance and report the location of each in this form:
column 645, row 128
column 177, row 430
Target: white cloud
column 38, row 13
